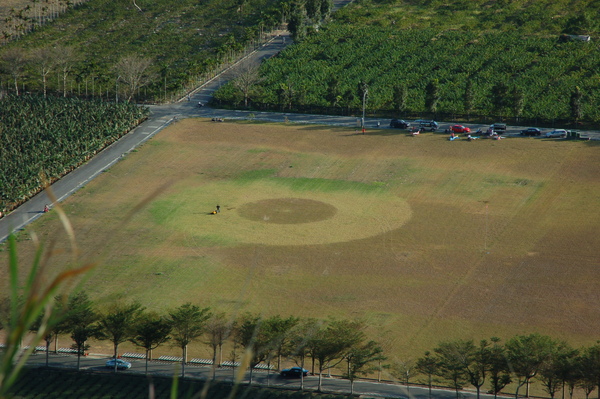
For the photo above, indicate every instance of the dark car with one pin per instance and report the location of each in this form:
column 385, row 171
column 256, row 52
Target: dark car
column 500, row 127
column 399, row 124
column 294, row 372
column 532, row 131
column 425, row 125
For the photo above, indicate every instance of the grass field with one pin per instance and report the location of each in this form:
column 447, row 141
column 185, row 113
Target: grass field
column 423, row 238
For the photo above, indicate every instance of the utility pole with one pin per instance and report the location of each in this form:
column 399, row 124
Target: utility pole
column 365, row 92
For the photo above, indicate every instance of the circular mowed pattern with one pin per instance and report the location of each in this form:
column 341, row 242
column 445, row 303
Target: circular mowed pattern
column 287, row 211
column 266, row 213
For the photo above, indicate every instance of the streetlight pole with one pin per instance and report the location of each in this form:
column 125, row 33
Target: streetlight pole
column 365, row 92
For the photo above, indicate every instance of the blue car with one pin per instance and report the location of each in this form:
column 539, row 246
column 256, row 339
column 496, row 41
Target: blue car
column 121, row 364
column 294, row 372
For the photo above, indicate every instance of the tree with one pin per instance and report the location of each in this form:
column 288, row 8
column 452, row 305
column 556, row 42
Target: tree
column 428, row 365
column 329, row 344
column 56, row 324
column 281, row 329
column 286, row 93
column 257, row 336
column 299, row 343
column 133, row 71
column 468, row 98
column 576, row 99
column 313, row 10
column 246, row 80
column 500, row 98
column 326, row 7
column 591, row 365
column 582, row 24
column 45, row 59
column 218, row 329
column 13, row 62
column 118, row 325
column 477, row 364
column 359, row 360
column 526, row 355
column 298, row 21
column 452, row 358
column 587, row 375
column 334, row 93
column 499, row 374
column 149, row 332
column 432, row 96
column 570, row 369
column 400, row 97
column 82, row 321
column 518, row 102
column 188, row 323
column 404, row 370
column 65, row 63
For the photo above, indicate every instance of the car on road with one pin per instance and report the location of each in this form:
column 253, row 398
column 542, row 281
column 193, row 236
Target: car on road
column 532, row 131
column 499, row 127
column 399, row 124
column 557, row 133
column 121, row 364
column 425, row 125
column 460, row 129
column 293, row 372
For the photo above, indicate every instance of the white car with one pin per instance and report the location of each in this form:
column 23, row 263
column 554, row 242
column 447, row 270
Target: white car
column 557, row 133
column 121, row 364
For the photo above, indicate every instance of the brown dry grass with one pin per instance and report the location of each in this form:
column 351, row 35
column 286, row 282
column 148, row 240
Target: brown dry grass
column 502, row 236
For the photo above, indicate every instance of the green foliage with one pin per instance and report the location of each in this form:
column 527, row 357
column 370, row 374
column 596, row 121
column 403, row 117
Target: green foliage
column 45, row 138
column 184, row 38
column 391, row 44
column 187, row 325
column 28, row 306
column 118, row 324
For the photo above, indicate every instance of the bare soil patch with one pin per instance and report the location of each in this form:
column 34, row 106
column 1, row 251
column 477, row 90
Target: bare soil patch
column 287, row 211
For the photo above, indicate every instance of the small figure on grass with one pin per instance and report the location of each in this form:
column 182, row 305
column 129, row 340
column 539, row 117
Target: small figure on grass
column 218, row 209
column 46, row 208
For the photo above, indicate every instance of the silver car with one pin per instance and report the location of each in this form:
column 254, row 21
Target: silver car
column 557, row 133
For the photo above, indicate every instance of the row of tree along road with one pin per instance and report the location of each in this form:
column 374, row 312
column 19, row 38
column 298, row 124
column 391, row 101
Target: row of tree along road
column 323, row 345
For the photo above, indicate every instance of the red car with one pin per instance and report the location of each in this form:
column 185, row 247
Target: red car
column 460, row 129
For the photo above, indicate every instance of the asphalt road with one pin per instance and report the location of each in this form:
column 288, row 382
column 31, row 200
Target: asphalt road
column 329, row 384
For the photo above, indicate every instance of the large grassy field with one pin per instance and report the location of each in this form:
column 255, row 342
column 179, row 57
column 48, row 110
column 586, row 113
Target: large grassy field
column 423, row 238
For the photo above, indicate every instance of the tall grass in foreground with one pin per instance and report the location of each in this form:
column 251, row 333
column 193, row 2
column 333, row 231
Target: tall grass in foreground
column 31, row 302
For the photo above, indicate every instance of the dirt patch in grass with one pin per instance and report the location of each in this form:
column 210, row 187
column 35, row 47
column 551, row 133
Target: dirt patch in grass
column 423, row 238
column 287, row 211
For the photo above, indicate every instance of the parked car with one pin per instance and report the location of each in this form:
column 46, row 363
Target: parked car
column 532, row 131
column 432, row 126
column 399, row 124
column 293, row 372
column 121, row 364
column 499, row 127
column 557, row 133
column 460, row 129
